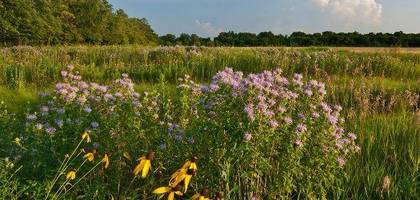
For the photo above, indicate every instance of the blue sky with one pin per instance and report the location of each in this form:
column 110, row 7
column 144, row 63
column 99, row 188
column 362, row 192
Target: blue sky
column 209, row 17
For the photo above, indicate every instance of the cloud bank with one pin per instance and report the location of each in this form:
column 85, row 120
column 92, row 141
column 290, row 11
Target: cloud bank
column 208, row 28
column 353, row 11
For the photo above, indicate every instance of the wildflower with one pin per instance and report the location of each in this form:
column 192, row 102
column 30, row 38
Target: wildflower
column 170, row 190
column 201, row 195
column 191, row 164
column 247, row 136
column 341, row 161
column 352, row 136
column 31, row 117
column 94, row 124
column 38, row 126
column 274, row 124
column 301, row 128
column 51, row 130
column 105, row 160
column 87, row 109
column 144, row 165
column 71, row 175
column 89, row 156
column 182, row 178
column 86, row 137
column 288, row 120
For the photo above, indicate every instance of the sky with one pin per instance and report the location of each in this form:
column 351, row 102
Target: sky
column 210, row 17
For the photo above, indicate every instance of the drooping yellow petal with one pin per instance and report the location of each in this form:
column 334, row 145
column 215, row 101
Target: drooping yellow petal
column 106, row 160
column 146, row 168
column 179, row 193
column 139, row 167
column 89, row 156
column 174, row 182
column 86, row 137
column 187, row 182
column 161, row 190
column 171, row 196
column 71, row 175
column 178, row 173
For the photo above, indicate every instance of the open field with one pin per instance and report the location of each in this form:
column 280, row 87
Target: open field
column 378, row 89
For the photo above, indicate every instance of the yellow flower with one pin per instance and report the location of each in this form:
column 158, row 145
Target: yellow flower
column 144, row 165
column 182, row 179
column 191, row 164
column 89, row 156
column 105, row 160
column 86, row 137
column 71, row 175
column 170, row 190
column 201, row 195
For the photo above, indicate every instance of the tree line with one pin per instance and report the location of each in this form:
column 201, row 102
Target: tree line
column 49, row 22
column 328, row 38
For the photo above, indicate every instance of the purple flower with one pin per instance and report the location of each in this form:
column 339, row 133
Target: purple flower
column 50, row 130
column 298, row 143
column 64, row 73
column 300, row 128
column 61, row 110
column 31, row 117
column 274, row 123
column 352, row 136
column 38, row 126
column 45, row 109
column 332, row 119
column 87, row 109
column 247, row 136
column 288, row 120
column 315, row 114
column 59, row 122
column 250, row 111
column 94, row 124
column 341, row 162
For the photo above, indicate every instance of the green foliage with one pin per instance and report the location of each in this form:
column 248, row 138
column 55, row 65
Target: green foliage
column 30, row 22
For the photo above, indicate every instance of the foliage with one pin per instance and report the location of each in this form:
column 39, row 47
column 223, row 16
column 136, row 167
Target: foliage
column 29, row 22
column 298, row 39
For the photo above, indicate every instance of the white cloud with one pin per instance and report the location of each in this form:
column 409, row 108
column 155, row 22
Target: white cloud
column 208, row 28
column 353, row 11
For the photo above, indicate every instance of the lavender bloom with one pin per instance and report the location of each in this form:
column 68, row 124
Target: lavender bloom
column 274, row 124
column 298, row 143
column 64, row 73
column 45, row 109
column 94, row 124
column 50, row 130
column 250, row 111
column 301, row 116
column 86, row 109
column 352, row 136
column 38, row 126
column 332, row 119
column 247, row 136
column 341, row 162
column 61, row 110
column 281, row 109
column 59, row 122
column 315, row 114
column 288, row 120
column 31, row 117
column 300, row 128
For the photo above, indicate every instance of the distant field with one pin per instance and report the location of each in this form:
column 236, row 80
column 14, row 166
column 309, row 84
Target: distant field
column 379, row 89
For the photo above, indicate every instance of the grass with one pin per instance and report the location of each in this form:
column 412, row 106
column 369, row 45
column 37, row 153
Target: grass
column 379, row 91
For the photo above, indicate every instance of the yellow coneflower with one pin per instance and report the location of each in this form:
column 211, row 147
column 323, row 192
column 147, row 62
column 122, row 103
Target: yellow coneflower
column 183, row 179
column 191, row 164
column 105, row 160
column 170, row 190
column 71, row 175
column 201, row 195
column 144, row 165
column 89, row 156
column 86, row 137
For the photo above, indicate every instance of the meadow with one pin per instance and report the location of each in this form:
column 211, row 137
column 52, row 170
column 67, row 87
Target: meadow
column 379, row 94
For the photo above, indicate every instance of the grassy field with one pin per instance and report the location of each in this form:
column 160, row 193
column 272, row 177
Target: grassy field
column 379, row 90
